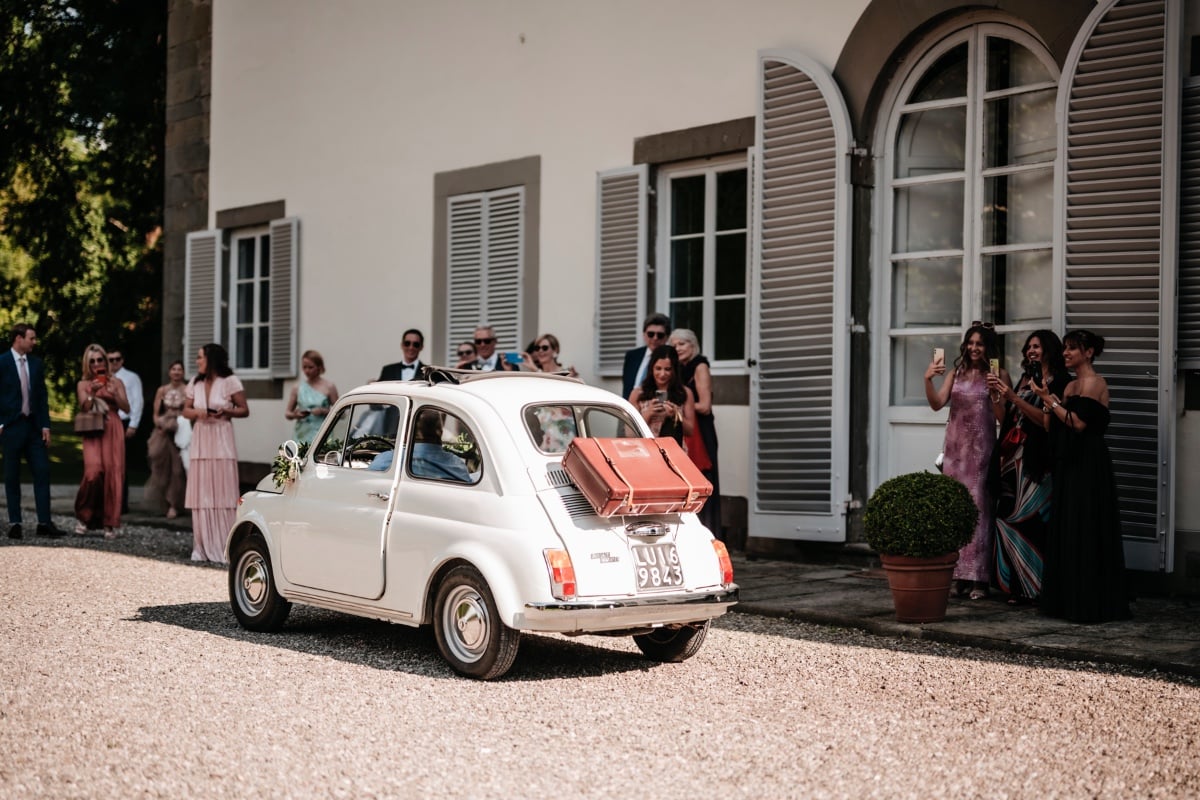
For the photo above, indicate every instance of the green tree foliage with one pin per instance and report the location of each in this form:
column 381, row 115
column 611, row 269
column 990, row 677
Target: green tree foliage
column 82, row 120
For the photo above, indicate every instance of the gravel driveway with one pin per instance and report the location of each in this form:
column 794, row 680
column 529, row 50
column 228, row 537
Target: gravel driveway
column 123, row 674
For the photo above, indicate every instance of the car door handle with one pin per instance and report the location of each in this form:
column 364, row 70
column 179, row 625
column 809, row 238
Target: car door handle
column 381, row 495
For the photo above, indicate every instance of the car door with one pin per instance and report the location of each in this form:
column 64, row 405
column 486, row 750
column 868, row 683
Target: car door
column 334, row 537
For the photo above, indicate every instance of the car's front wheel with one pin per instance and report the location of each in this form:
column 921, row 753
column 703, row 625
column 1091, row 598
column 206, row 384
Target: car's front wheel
column 672, row 644
column 467, row 624
column 256, row 604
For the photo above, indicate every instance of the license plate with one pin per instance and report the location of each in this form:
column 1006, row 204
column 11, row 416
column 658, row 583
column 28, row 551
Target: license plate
column 657, row 566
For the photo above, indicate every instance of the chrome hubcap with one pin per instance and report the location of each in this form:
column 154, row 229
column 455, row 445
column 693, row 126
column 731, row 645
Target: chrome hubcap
column 253, row 582
column 466, row 623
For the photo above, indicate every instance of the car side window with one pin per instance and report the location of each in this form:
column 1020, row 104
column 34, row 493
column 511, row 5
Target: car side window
column 444, row 448
column 371, row 443
column 553, row 427
column 329, row 449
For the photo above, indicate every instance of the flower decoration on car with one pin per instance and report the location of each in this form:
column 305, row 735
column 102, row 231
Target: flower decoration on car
column 285, row 468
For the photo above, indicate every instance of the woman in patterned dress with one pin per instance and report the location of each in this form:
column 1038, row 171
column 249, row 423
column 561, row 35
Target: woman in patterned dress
column 312, row 398
column 214, row 398
column 1024, row 467
column 970, row 439
column 168, row 479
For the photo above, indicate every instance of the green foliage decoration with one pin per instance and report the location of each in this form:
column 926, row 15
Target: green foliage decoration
column 921, row 514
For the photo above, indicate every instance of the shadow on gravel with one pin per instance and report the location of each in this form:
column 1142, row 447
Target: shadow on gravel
column 159, row 544
column 387, row 646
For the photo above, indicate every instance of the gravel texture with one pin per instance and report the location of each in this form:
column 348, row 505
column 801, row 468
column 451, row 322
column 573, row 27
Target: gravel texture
column 124, row 674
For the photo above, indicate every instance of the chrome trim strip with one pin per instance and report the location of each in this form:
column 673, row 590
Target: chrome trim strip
column 729, row 596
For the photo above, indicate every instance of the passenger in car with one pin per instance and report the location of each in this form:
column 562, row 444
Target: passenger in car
column 430, row 459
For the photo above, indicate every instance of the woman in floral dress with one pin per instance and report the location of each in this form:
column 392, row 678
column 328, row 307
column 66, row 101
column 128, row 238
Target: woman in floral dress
column 168, row 479
column 214, row 398
column 970, row 439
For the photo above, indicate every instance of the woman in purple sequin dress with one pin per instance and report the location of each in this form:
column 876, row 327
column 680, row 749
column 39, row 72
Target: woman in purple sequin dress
column 970, row 439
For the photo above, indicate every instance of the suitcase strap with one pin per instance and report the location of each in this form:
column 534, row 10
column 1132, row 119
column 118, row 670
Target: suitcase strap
column 692, row 493
column 628, row 501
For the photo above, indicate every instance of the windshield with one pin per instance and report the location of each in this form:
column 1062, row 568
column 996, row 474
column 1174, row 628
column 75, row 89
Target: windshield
column 552, row 426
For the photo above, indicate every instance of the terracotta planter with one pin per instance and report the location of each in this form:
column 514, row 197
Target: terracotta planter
column 920, row 586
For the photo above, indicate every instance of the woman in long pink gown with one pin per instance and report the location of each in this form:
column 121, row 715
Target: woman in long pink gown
column 970, row 439
column 214, row 398
column 98, row 501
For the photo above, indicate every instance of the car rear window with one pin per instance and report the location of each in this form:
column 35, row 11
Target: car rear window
column 552, row 426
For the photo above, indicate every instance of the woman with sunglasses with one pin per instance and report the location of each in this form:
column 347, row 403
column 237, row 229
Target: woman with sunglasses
column 466, row 354
column 1084, row 562
column 544, row 356
column 970, row 440
column 98, row 501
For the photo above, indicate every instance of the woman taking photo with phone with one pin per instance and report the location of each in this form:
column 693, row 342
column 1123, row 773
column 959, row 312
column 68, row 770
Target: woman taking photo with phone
column 214, row 398
column 970, row 439
column 1023, row 468
column 664, row 402
column 1084, row 561
column 98, row 501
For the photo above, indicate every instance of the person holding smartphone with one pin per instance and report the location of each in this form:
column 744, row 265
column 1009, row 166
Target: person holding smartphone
column 311, row 399
column 1023, row 466
column 970, row 440
column 664, row 402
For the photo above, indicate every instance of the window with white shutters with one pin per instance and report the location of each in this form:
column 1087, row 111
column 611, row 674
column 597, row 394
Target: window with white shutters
column 621, row 201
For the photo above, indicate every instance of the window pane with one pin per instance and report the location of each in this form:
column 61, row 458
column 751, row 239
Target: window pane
column 1017, row 287
column 929, row 217
column 1018, row 208
column 1010, row 65
column 947, row 78
column 264, row 346
column 264, row 301
column 245, row 257
column 687, row 268
column 931, row 142
column 245, row 303
column 729, row 329
column 688, row 314
column 927, row 292
column 329, row 451
column 731, row 264
column 731, row 200
column 687, row 205
column 551, row 428
column 244, row 348
column 608, row 423
column 1020, row 129
column 265, row 254
column 910, row 356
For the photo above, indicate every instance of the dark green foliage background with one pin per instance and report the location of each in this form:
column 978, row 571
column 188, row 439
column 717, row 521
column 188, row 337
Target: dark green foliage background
column 921, row 514
column 82, row 121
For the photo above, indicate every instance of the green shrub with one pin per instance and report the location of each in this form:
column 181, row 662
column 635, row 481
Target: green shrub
column 920, row 514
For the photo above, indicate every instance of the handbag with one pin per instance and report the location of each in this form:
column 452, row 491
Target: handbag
column 89, row 423
column 183, row 433
column 693, row 445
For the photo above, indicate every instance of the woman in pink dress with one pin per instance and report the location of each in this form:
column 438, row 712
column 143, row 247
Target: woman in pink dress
column 214, row 397
column 98, row 501
column 970, row 439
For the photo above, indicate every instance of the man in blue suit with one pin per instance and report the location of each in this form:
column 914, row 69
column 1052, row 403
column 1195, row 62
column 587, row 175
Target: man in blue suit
column 25, row 429
column 654, row 331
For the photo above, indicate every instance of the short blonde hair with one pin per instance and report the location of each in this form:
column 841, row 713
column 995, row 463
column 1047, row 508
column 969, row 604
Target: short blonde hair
column 315, row 358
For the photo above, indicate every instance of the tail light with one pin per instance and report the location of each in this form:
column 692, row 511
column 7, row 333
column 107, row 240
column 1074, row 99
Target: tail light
column 723, row 561
column 562, row 573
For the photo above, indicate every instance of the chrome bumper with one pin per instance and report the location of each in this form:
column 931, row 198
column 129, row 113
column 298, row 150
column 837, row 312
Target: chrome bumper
column 610, row 614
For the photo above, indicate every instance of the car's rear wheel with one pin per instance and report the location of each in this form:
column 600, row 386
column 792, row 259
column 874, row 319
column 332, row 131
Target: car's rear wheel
column 467, row 624
column 256, row 604
column 672, row 644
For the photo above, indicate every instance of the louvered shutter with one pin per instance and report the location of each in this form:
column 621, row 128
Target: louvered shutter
column 1118, row 246
column 485, row 253
column 800, row 387
column 285, row 261
column 1189, row 229
column 621, row 219
column 202, row 291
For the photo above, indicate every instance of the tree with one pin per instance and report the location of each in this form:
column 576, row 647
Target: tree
column 82, row 121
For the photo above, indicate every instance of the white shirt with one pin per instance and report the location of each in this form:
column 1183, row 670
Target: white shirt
column 133, row 390
column 408, row 372
column 641, row 373
column 488, row 364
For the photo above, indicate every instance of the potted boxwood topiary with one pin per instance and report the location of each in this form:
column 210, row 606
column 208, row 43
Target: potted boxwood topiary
column 917, row 523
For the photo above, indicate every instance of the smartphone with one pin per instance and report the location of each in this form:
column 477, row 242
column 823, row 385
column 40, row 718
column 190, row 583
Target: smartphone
column 661, row 396
column 939, row 356
column 214, row 411
column 514, row 358
column 994, row 365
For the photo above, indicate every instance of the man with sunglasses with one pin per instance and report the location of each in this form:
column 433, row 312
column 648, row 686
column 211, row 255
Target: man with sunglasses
column 486, row 357
column 411, row 345
column 131, row 420
column 654, row 331
column 25, row 429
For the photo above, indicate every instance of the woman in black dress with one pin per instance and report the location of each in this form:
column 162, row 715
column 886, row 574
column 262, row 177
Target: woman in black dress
column 1084, row 563
column 697, row 377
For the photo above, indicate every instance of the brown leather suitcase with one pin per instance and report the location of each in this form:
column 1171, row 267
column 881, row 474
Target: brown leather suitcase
column 636, row 476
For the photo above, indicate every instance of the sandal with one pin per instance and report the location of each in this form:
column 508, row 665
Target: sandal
column 978, row 594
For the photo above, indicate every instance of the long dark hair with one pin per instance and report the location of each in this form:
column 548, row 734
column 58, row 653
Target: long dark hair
column 991, row 345
column 1052, row 351
column 217, row 360
column 675, row 390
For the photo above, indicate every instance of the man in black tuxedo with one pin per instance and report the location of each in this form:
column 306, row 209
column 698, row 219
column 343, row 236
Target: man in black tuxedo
column 411, row 345
column 25, row 429
column 654, row 331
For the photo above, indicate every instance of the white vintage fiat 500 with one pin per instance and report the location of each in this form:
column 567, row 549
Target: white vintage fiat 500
column 443, row 501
